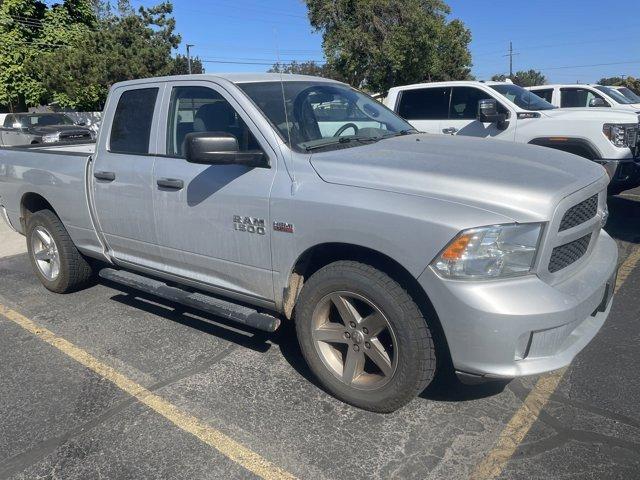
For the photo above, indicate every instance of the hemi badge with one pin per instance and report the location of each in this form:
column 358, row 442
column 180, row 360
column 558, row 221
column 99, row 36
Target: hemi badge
column 283, row 227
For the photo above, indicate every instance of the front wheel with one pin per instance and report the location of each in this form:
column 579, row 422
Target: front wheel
column 364, row 337
column 54, row 257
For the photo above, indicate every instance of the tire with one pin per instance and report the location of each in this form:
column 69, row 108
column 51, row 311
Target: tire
column 73, row 271
column 399, row 361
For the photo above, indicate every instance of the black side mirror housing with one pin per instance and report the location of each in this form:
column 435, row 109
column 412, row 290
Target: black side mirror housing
column 598, row 102
column 81, row 124
column 220, row 148
column 488, row 113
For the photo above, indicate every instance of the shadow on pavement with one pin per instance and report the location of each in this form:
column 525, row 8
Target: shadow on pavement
column 624, row 218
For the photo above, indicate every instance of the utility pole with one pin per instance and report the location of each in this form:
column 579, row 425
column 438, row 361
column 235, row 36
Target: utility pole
column 189, row 45
column 510, row 55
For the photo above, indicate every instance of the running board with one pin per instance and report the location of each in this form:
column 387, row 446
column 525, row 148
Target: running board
column 200, row 301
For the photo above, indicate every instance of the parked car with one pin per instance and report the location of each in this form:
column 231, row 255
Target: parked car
column 630, row 94
column 505, row 111
column 587, row 96
column 32, row 128
column 395, row 253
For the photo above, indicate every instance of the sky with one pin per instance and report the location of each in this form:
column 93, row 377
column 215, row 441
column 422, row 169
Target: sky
column 568, row 40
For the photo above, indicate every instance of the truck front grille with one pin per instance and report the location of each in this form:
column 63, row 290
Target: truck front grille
column 566, row 254
column 580, row 213
column 67, row 136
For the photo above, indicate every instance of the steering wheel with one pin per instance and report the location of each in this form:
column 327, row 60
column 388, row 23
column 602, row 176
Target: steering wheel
column 346, row 126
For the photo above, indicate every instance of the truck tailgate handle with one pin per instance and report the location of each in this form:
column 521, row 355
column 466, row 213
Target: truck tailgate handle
column 172, row 183
column 449, row 130
column 108, row 176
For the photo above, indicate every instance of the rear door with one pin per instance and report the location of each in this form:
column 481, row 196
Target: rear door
column 213, row 221
column 463, row 112
column 122, row 174
column 425, row 108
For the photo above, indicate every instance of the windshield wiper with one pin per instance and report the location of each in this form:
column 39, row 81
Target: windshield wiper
column 341, row 140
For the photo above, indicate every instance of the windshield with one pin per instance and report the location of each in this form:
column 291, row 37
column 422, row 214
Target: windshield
column 43, row 119
column 323, row 114
column 618, row 96
column 522, row 98
column 630, row 94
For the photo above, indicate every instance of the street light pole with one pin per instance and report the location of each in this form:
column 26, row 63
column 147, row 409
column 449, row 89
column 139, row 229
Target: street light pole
column 189, row 45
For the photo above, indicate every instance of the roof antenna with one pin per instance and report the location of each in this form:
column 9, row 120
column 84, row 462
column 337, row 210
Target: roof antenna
column 291, row 167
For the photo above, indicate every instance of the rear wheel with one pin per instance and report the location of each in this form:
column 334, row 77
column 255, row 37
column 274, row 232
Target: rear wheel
column 55, row 259
column 364, row 337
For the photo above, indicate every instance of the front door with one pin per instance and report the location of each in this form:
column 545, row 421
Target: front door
column 463, row 113
column 213, row 222
column 122, row 175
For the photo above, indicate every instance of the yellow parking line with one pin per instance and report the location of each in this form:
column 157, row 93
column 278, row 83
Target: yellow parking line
column 209, row 435
column 528, row 413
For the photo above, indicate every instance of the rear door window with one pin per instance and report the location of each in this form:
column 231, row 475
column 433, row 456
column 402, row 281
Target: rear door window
column 131, row 128
column 577, row 97
column 425, row 103
column 546, row 94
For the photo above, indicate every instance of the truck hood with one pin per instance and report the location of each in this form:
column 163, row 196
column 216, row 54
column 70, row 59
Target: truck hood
column 44, row 130
column 522, row 182
column 604, row 115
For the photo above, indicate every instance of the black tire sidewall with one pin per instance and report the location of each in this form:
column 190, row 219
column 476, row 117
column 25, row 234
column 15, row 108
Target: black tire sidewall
column 415, row 350
column 53, row 225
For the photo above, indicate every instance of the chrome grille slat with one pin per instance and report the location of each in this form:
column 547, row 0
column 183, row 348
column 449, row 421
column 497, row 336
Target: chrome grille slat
column 580, row 213
column 564, row 255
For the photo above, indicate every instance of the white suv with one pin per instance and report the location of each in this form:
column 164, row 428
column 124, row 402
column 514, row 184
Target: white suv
column 591, row 96
column 504, row 111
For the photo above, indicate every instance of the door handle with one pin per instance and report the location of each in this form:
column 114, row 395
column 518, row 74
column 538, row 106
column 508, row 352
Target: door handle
column 107, row 176
column 450, row 130
column 172, row 183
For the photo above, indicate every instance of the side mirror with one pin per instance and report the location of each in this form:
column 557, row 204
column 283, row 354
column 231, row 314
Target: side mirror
column 220, row 148
column 488, row 110
column 598, row 102
column 488, row 113
column 81, row 124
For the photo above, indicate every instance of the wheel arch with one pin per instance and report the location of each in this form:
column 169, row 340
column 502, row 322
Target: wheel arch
column 30, row 203
column 320, row 255
column 578, row 146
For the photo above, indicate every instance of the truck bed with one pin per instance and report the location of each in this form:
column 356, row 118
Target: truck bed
column 56, row 173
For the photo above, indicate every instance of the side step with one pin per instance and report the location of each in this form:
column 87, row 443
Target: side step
column 200, row 301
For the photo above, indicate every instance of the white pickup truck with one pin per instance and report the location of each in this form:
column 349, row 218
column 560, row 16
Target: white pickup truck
column 588, row 96
column 505, row 111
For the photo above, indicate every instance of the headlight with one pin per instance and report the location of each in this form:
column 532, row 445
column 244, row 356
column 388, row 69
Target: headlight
column 621, row 135
column 51, row 138
column 490, row 252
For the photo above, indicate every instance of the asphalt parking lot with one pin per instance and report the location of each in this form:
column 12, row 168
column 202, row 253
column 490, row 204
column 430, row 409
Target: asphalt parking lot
column 250, row 396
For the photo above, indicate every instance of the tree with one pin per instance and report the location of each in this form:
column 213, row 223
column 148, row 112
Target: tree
column 181, row 65
column 124, row 45
column 631, row 83
column 376, row 44
column 524, row 78
column 305, row 68
column 18, row 45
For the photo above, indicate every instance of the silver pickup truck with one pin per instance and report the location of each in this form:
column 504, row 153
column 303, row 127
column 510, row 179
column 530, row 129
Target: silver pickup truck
column 264, row 198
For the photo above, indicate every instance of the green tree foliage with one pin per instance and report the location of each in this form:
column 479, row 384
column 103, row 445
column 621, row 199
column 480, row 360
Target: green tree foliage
column 376, row 44
column 306, row 68
column 632, row 83
column 181, row 65
column 124, row 45
column 20, row 22
column 524, row 78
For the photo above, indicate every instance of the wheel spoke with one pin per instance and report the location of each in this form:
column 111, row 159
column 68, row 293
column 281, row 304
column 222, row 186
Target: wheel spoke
column 379, row 356
column 347, row 311
column 43, row 255
column 44, row 238
column 330, row 333
column 374, row 323
column 353, row 366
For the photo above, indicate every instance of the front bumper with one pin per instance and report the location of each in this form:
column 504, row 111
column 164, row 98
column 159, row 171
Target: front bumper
column 515, row 327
